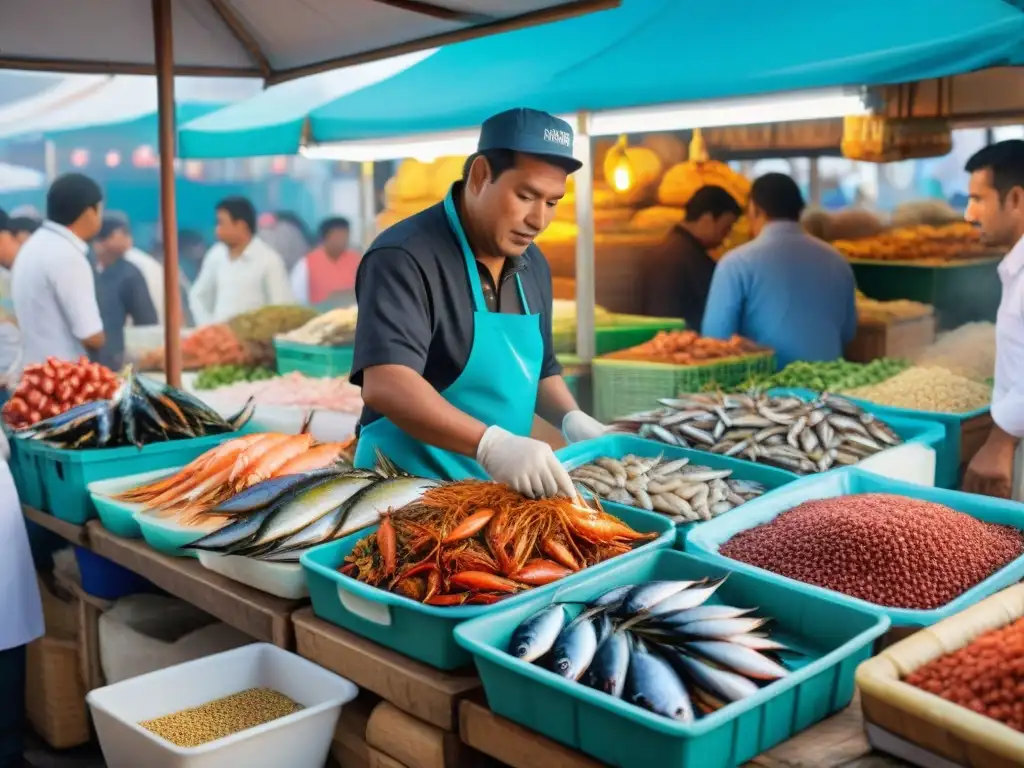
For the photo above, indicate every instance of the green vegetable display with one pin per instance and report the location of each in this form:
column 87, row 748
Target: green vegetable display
column 832, row 376
column 222, row 375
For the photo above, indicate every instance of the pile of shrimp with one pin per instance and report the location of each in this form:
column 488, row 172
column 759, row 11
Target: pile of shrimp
column 477, row 542
column 228, row 469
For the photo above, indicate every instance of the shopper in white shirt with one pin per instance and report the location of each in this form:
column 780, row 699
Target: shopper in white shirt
column 241, row 272
column 52, row 281
column 996, row 206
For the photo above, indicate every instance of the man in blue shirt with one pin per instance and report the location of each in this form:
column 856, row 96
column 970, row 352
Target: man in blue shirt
column 785, row 289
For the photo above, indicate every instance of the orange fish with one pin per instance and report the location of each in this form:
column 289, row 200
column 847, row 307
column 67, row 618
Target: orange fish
column 317, row 457
column 269, row 462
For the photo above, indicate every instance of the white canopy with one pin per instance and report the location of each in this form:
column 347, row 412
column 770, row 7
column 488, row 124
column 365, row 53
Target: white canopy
column 273, row 39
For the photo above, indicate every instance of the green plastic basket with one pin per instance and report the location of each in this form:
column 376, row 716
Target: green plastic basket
column 626, row 386
column 424, row 632
column 832, row 640
column 312, row 361
column 619, row 332
column 26, row 470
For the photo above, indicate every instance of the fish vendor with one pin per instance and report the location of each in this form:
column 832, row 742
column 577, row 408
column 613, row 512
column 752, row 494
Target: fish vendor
column 786, row 289
column 996, row 206
column 453, row 346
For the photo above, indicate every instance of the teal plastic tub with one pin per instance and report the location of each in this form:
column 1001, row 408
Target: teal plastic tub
column 913, row 430
column 316, row 362
column 706, row 540
column 118, row 517
column 617, row 446
column 26, row 470
column 947, row 452
column 424, row 632
column 66, row 474
column 167, row 537
column 832, row 638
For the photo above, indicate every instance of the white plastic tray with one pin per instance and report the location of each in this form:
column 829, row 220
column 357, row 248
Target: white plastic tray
column 909, row 463
column 301, row 740
column 285, row 580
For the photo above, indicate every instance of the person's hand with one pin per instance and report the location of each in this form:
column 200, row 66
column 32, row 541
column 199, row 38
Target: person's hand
column 526, row 465
column 578, row 426
column 990, row 472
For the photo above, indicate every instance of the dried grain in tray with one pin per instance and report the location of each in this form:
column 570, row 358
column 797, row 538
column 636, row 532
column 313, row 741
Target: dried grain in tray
column 929, row 721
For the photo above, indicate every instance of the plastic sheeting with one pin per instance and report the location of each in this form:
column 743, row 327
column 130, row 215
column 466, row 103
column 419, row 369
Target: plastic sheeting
column 647, row 52
column 117, row 101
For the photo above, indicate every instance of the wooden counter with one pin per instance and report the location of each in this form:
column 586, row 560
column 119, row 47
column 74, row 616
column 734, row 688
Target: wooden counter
column 838, row 742
column 416, row 688
column 261, row 616
column 75, row 534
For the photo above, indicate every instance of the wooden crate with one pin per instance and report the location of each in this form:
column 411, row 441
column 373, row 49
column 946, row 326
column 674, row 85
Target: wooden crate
column 936, row 725
column 900, row 339
column 415, row 744
column 973, row 434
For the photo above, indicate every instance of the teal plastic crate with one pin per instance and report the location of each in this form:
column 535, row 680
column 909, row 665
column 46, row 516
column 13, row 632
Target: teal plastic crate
column 313, row 361
column 944, row 436
column 26, row 470
column 617, row 446
column 66, row 474
column 832, row 638
column 424, row 632
column 706, row 540
column 118, row 517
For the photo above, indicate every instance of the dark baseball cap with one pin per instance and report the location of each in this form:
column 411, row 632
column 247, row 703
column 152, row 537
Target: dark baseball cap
column 5, row 221
column 532, row 132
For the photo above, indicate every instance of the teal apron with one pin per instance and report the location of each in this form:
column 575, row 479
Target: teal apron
column 497, row 386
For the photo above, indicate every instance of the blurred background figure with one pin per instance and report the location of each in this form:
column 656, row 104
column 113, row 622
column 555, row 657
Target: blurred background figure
column 121, row 291
column 240, row 272
column 287, row 234
column 120, row 239
column 326, row 276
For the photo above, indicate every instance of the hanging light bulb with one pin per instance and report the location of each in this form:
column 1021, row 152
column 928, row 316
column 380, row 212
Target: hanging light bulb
column 113, row 159
column 619, row 168
column 80, row 158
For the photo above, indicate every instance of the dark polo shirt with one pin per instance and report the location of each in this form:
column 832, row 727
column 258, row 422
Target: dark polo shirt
column 416, row 306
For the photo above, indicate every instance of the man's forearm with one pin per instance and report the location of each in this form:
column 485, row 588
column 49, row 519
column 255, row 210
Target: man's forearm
column 1000, row 437
column 554, row 400
column 415, row 407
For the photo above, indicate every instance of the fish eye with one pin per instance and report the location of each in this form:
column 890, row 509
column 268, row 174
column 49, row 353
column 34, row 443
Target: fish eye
column 563, row 664
column 522, row 649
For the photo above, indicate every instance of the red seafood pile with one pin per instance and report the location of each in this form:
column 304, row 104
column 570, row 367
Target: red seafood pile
column 51, row 388
column 886, row 549
column 986, row 676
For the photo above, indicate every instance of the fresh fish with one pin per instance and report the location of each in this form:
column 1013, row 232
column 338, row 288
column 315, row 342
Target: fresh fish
column 651, row 683
column 643, row 597
column 236, row 534
column 840, row 404
column 257, row 496
column 574, row 648
column 537, row 634
column 721, row 627
column 682, row 600
column 612, row 597
column 603, row 627
column 726, row 685
column 757, row 642
column 335, row 524
column 608, row 670
column 703, row 612
column 745, row 661
column 309, row 506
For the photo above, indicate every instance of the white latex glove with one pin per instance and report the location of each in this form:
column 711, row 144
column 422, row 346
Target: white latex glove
column 526, row 465
column 578, row 426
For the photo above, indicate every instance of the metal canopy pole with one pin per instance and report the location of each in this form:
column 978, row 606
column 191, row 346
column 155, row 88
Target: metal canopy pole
column 585, row 278
column 163, row 41
column 367, row 203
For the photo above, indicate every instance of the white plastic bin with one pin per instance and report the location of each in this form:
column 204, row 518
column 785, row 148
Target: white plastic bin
column 301, row 740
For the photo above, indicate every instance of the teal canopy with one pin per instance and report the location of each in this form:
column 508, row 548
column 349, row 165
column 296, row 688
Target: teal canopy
column 644, row 52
